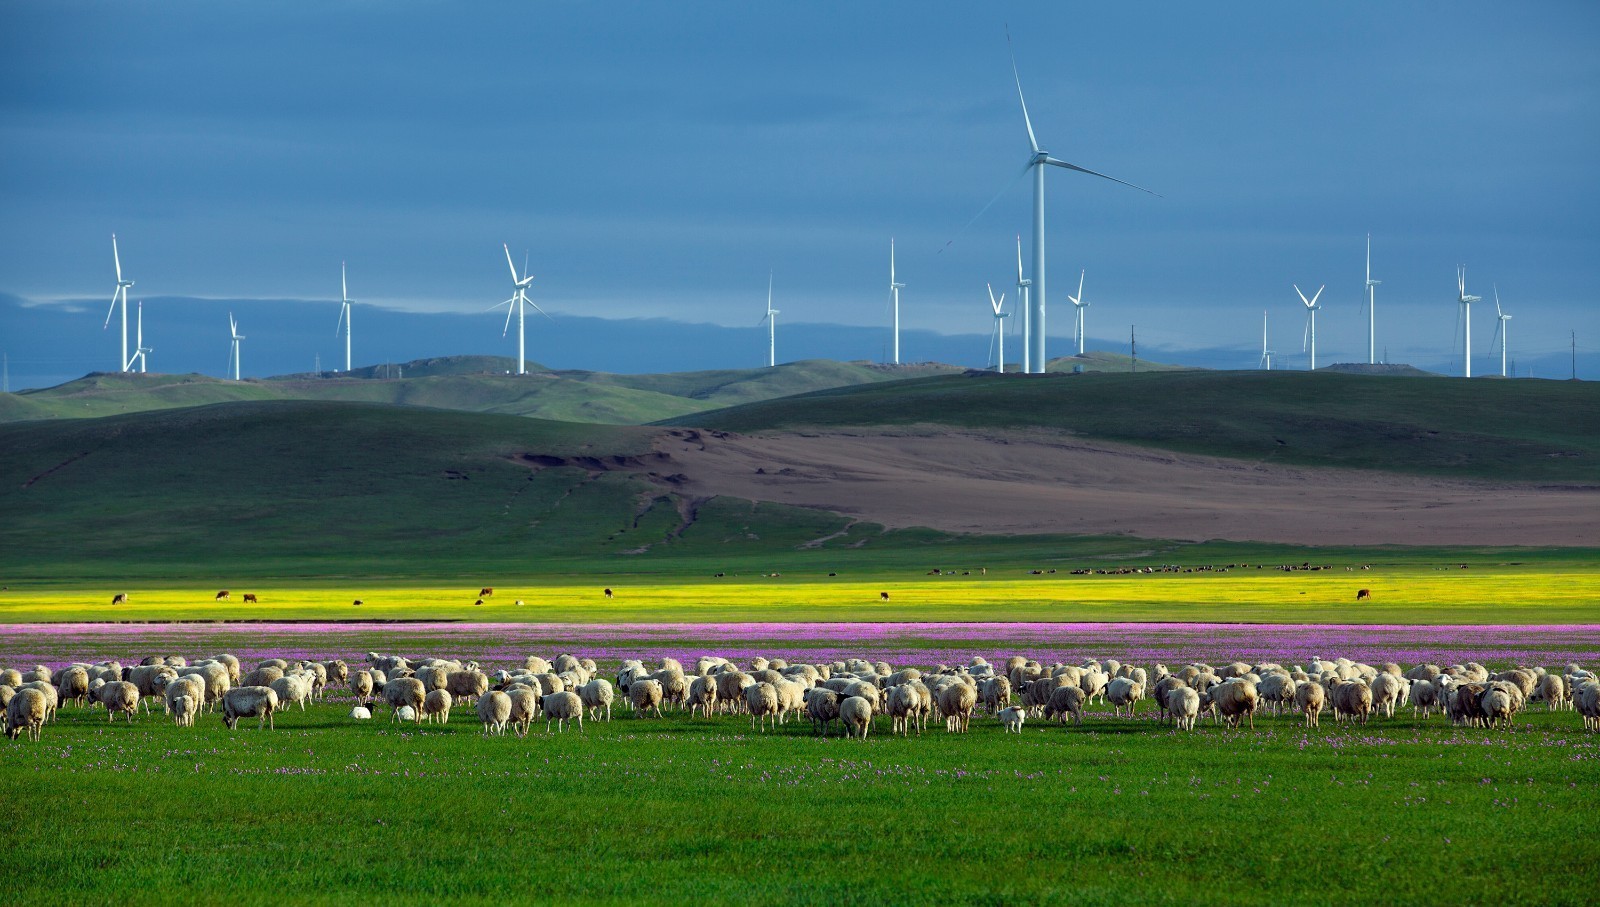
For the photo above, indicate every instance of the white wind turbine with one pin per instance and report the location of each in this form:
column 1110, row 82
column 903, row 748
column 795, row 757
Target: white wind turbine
column 1023, row 284
column 121, row 292
column 772, row 326
column 518, row 303
column 1036, row 162
column 344, row 315
column 999, row 326
column 1266, row 354
column 233, row 349
column 1466, row 310
column 1311, row 323
column 1078, row 305
column 1372, row 304
column 1502, row 331
column 140, row 351
column 894, row 291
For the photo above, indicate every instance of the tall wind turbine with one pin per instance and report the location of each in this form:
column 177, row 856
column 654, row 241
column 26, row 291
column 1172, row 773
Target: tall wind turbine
column 344, row 315
column 1466, row 311
column 999, row 326
column 772, row 326
column 1023, row 285
column 1078, row 305
column 1036, row 162
column 121, row 292
column 519, row 303
column 1502, row 330
column 1372, row 304
column 140, row 351
column 894, row 291
column 1266, row 354
column 233, row 349
column 1311, row 323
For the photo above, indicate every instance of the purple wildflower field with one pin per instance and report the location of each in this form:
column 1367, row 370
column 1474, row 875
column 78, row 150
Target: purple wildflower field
column 901, row 644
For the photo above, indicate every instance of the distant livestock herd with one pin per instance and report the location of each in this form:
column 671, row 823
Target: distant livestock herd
column 848, row 694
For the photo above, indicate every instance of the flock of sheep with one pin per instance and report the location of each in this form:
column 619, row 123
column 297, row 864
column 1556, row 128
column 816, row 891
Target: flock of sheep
column 848, row 693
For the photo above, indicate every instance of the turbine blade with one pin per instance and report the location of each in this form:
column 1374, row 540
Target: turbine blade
column 1305, row 339
column 539, row 310
column 1026, row 120
column 111, row 311
column 1301, row 295
column 1497, row 299
column 891, row 259
column 509, row 310
column 340, row 323
column 511, row 264
column 1080, row 287
column 1318, row 294
column 344, row 286
column 990, row 204
column 1020, row 278
column 1051, row 160
column 116, row 257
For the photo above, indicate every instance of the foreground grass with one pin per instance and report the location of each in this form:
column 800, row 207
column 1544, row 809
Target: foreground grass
column 1417, row 595
column 329, row 810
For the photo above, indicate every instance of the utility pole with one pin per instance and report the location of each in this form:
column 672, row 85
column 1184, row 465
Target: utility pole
column 1133, row 349
column 1574, row 355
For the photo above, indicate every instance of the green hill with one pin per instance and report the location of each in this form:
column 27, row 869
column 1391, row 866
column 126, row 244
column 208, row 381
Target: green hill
column 1542, row 431
column 1101, row 361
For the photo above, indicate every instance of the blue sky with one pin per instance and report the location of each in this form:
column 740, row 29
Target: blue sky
column 656, row 161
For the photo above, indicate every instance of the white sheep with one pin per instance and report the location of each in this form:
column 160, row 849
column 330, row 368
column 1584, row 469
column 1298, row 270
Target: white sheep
column 437, row 705
column 597, row 697
column 294, row 688
column 561, row 708
column 1183, row 704
column 1388, row 691
column 524, row 706
column 404, row 692
column 645, row 696
column 246, row 702
column 26, row 713
column 494, row 710
column 1124, row 691
column 855, row 713
column 118, row 696
column 822, row 707
column 762, row 701
column 1587, row 702
column 1309, row 696
column 1012, row 718
column 183, row 711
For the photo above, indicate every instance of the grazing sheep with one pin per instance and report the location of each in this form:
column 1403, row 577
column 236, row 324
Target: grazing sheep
column 1164, row 685
column 1554, row 690
column 361, row 686
column 1235, row 699
column 293, row 688
column 1309, row 697
column 645, row 696
column 51, row 699
column 1498, row 706
column 494, row 710
column 402, row 692
column 956, row 702
column 1587, row 702
column 1276, row 689
column 822, row 707
column 183, row 711
column 26, row 713
column 561, row 708
column 1012, row 718
column 437, row 703
column 10, row 677
column 524, row 707
column 246, row 702
column 761, row 699
column 1124, row 691
column 702, row 697
column 597, row 697
column 193, row 687
column 993, row 692
column 1183, row 704
column 1387, row 692
column 730, row 688
column 1065, row 702
column 855, row 713
column 433, row 677
column 1462, row 704
column 118, row 696
column 1352, row 699
column 262, row 676
column 72, row 686
column 467, row 685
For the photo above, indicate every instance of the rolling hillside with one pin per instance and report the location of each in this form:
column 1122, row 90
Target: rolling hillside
column 1538, row 431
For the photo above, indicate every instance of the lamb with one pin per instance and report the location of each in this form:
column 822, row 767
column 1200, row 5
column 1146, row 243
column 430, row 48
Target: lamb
column 192, row 687
column 597, row 697
column 1183, row 704
column 118, row 696
column 524, row 706
column 293, row 688
column 645, row 696
column 183, row 711
column 26, row 713
column 1012, row 717
column 1235, row 699
column 561, row 708
column 404, row 691
column 1124, row 691
column 762, row 700
column 437, row 703
column 1066, row 702
column 494, row 710
column 855, row 712
column 955, row 704
column 246, row 702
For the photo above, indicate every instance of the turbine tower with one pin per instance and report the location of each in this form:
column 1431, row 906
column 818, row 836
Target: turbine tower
column 1502, row 331
column 121, row 292
column 894, row 291
column 344, row 315
column 519, row 303
column 233, row 349
column 1266, row 354
column 1023, row 284
column 1372, row 303
column 1311, row 323
column 1036, row 162
column 1466, row 310
column 140, row 351
column 772, row 326
column 999, row 326
column 1079, row 305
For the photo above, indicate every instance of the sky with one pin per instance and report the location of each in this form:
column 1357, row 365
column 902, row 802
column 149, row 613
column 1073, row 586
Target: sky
column 659, row 161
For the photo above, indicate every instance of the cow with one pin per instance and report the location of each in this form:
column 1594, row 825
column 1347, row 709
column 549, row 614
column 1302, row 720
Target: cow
column 250, row 598
column 223, row 595
column 1363, row 594
column 486, row 591
column 478, row 603
column 883, row 596
column 358, row 603
column 609, row 593
column 121, row 598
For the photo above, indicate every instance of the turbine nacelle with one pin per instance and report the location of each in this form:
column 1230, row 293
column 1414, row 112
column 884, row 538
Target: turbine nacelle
column 1311, row 304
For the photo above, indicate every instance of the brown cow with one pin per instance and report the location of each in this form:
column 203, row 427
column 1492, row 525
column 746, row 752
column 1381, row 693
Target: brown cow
column 250, row 598
column 883, row 596
column 223, row 595
column 1363, row 594
column 358, row 603
column 121, row 598
column 486, row 591
column 477, row 603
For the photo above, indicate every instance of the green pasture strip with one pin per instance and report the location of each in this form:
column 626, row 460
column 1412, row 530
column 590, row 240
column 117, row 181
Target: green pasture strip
column 1436, row 596
column 324, row 809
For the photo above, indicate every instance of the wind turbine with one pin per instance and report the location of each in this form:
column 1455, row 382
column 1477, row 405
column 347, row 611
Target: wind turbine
column 1466, row 308
column 233, row 349
column 894, row 290
column 1036, row 162
column 999, row 326
column 1266, row 354
column 1372, row 303
column 1023, row 284
column 1311, row 322
column 1079, row 305
column 121, row 292
column 519, row 303
column 140, row 351
column 772, row 325
column 1501, row 331
column 344, row 315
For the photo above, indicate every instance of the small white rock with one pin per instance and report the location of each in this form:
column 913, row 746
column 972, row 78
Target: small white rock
column 360, row 713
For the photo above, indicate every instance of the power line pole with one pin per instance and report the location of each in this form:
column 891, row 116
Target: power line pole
column 1574, row 355
column 1133, row 349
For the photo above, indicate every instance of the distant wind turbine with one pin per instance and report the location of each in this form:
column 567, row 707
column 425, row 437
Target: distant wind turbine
column 519, row 303
column 772, row 326
column 1266, row 354
column 1311, row 323
column 121, row 292
column 894, row 291
column 344, row 315
column 999, row 326
column 1078, row 305
column 233, row 349
column 1502, row 330
column 1036, row 162
column 1466, row 311
column 1372, row 306
column 1023, row 285
column 140, row 351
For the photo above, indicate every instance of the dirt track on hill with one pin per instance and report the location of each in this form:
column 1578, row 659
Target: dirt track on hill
column 1020, row 483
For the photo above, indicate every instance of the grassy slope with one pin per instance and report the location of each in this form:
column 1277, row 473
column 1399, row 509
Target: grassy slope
column 1539, row 431
column 1103, row 361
